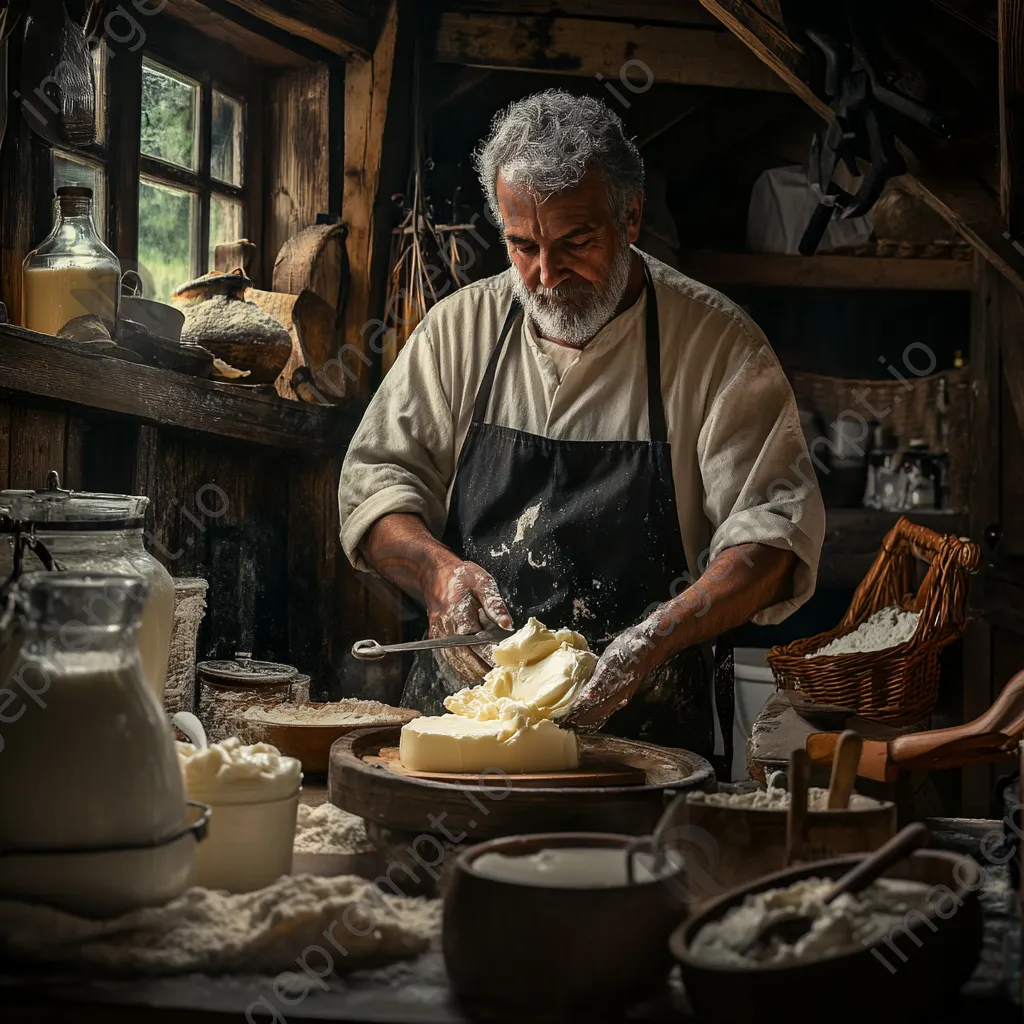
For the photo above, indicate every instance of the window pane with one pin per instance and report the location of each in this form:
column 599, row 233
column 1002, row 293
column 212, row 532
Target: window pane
column 226, row 137
column 168, row 230
column 225, row 223
column 99, row 68
column 71, row 169
column 170, row 119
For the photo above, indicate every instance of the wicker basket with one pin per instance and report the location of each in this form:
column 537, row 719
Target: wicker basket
column 898, row 685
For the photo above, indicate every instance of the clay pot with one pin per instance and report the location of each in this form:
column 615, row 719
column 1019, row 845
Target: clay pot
column 218, row 318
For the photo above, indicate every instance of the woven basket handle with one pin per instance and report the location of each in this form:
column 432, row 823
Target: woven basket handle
column 942, row 596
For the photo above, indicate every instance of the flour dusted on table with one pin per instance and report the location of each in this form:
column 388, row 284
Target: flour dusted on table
column 216, row 932
column 889, row 627
column 329, row 829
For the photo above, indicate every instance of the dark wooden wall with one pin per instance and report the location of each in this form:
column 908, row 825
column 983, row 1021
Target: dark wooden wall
column 261, row 525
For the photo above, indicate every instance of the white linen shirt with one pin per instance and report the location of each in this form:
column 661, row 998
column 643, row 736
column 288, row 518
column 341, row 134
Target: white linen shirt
column 739, row 461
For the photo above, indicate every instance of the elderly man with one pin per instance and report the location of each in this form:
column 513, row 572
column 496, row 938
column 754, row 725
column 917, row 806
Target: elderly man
column 591, row 438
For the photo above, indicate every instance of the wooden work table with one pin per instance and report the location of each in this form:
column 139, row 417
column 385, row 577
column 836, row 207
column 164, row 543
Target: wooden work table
column 417, row 991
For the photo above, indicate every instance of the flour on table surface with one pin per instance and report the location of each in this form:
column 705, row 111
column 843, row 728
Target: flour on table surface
column 218, row 932
column 526, row 522
column 887, row 628
column 581, row 609
column 536, row 565
column 329, row 829
column 500, row 552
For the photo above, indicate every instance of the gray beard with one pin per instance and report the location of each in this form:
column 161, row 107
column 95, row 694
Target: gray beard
column 575, row 313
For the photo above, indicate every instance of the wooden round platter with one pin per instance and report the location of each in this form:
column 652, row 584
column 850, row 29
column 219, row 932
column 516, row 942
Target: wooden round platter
column 621, row 786
column 310, row 742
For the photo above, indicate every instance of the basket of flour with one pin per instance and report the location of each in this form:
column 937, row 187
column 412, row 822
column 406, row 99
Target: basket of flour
column 882, row 660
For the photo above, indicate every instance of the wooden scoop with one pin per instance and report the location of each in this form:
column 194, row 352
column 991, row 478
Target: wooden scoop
column 791, row 929
column 990, row 737
column 844, row 770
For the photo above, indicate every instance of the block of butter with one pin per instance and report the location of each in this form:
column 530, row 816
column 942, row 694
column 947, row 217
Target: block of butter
column 506, row 723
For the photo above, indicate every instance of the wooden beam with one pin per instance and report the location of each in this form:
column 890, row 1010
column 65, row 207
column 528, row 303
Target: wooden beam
column 638, row 12
column 345, row 27
column 576, row 46
column 297, row 181
column 724, row 269
column 210, row 19
column 1011, row 115
column 979, row 14
column 377, row 136
column 960, row 197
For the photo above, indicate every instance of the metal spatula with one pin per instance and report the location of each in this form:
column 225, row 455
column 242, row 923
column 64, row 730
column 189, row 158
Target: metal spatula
column 370, row 650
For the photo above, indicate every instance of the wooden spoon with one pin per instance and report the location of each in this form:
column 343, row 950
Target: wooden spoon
column 844, row 770
column 796, row 817
column 791, row 929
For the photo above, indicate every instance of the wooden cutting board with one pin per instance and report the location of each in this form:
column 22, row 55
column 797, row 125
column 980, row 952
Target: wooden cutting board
column 591, row 772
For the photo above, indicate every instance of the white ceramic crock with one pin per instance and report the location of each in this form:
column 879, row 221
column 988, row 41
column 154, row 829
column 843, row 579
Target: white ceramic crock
column 248, row 844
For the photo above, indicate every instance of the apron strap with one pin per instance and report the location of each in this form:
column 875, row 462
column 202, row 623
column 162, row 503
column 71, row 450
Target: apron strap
column 483, row 395
column 655, row 404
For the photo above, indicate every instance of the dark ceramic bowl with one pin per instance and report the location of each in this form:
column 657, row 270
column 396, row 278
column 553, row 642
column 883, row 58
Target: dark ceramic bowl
column 916, row 968
column 538, row 948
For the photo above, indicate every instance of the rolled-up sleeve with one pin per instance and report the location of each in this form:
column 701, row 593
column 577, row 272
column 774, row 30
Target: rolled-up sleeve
column 759, row 483
column 401, row 457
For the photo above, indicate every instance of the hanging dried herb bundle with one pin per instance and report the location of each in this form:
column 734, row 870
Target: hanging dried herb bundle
column 425, row 256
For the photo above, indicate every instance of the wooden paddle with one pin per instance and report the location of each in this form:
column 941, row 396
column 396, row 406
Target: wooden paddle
column 844, row 770
column 990, row 737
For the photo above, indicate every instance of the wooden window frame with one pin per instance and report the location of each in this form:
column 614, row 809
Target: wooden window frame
column 215, row 66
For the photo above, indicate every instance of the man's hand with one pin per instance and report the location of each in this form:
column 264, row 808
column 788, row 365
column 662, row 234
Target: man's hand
column 460, row 597
column 739, row 582
column 617, row 675
column 464, row 599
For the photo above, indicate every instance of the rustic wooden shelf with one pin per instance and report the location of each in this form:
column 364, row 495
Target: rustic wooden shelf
column 767, row 270
column 35, row 364
column 853, row 537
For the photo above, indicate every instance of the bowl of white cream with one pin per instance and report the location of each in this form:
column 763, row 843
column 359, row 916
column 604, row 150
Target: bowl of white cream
column 253, row 791
column 560, row 923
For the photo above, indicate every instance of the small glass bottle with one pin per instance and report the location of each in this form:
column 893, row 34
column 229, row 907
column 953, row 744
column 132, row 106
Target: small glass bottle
column 72, row 272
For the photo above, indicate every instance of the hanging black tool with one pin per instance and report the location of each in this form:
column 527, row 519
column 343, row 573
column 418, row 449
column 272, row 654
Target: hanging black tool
column 866, row 113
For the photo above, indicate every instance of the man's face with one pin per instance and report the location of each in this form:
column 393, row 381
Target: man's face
column 572, row 255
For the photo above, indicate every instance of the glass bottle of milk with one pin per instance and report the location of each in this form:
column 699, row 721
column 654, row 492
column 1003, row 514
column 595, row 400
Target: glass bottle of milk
column 72, row 272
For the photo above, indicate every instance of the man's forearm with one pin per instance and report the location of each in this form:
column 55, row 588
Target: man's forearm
column 401, row 548
column 738, row 584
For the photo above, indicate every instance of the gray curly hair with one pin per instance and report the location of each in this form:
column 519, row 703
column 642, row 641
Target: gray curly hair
column 548, row 141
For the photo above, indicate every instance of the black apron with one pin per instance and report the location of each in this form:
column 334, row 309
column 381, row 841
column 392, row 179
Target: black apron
column 583, row 534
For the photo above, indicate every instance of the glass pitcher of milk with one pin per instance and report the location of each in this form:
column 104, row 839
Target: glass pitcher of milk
column 88, row 759
column 100, row 533
column 72, row 272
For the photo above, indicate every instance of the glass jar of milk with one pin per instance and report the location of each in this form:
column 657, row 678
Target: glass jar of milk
column 72, row 272
column 99, row 533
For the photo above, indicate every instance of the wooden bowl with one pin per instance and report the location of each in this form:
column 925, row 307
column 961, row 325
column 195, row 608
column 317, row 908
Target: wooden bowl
column 310, row 742
column 541, row 948
column 750, row 842
column 912, row 970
